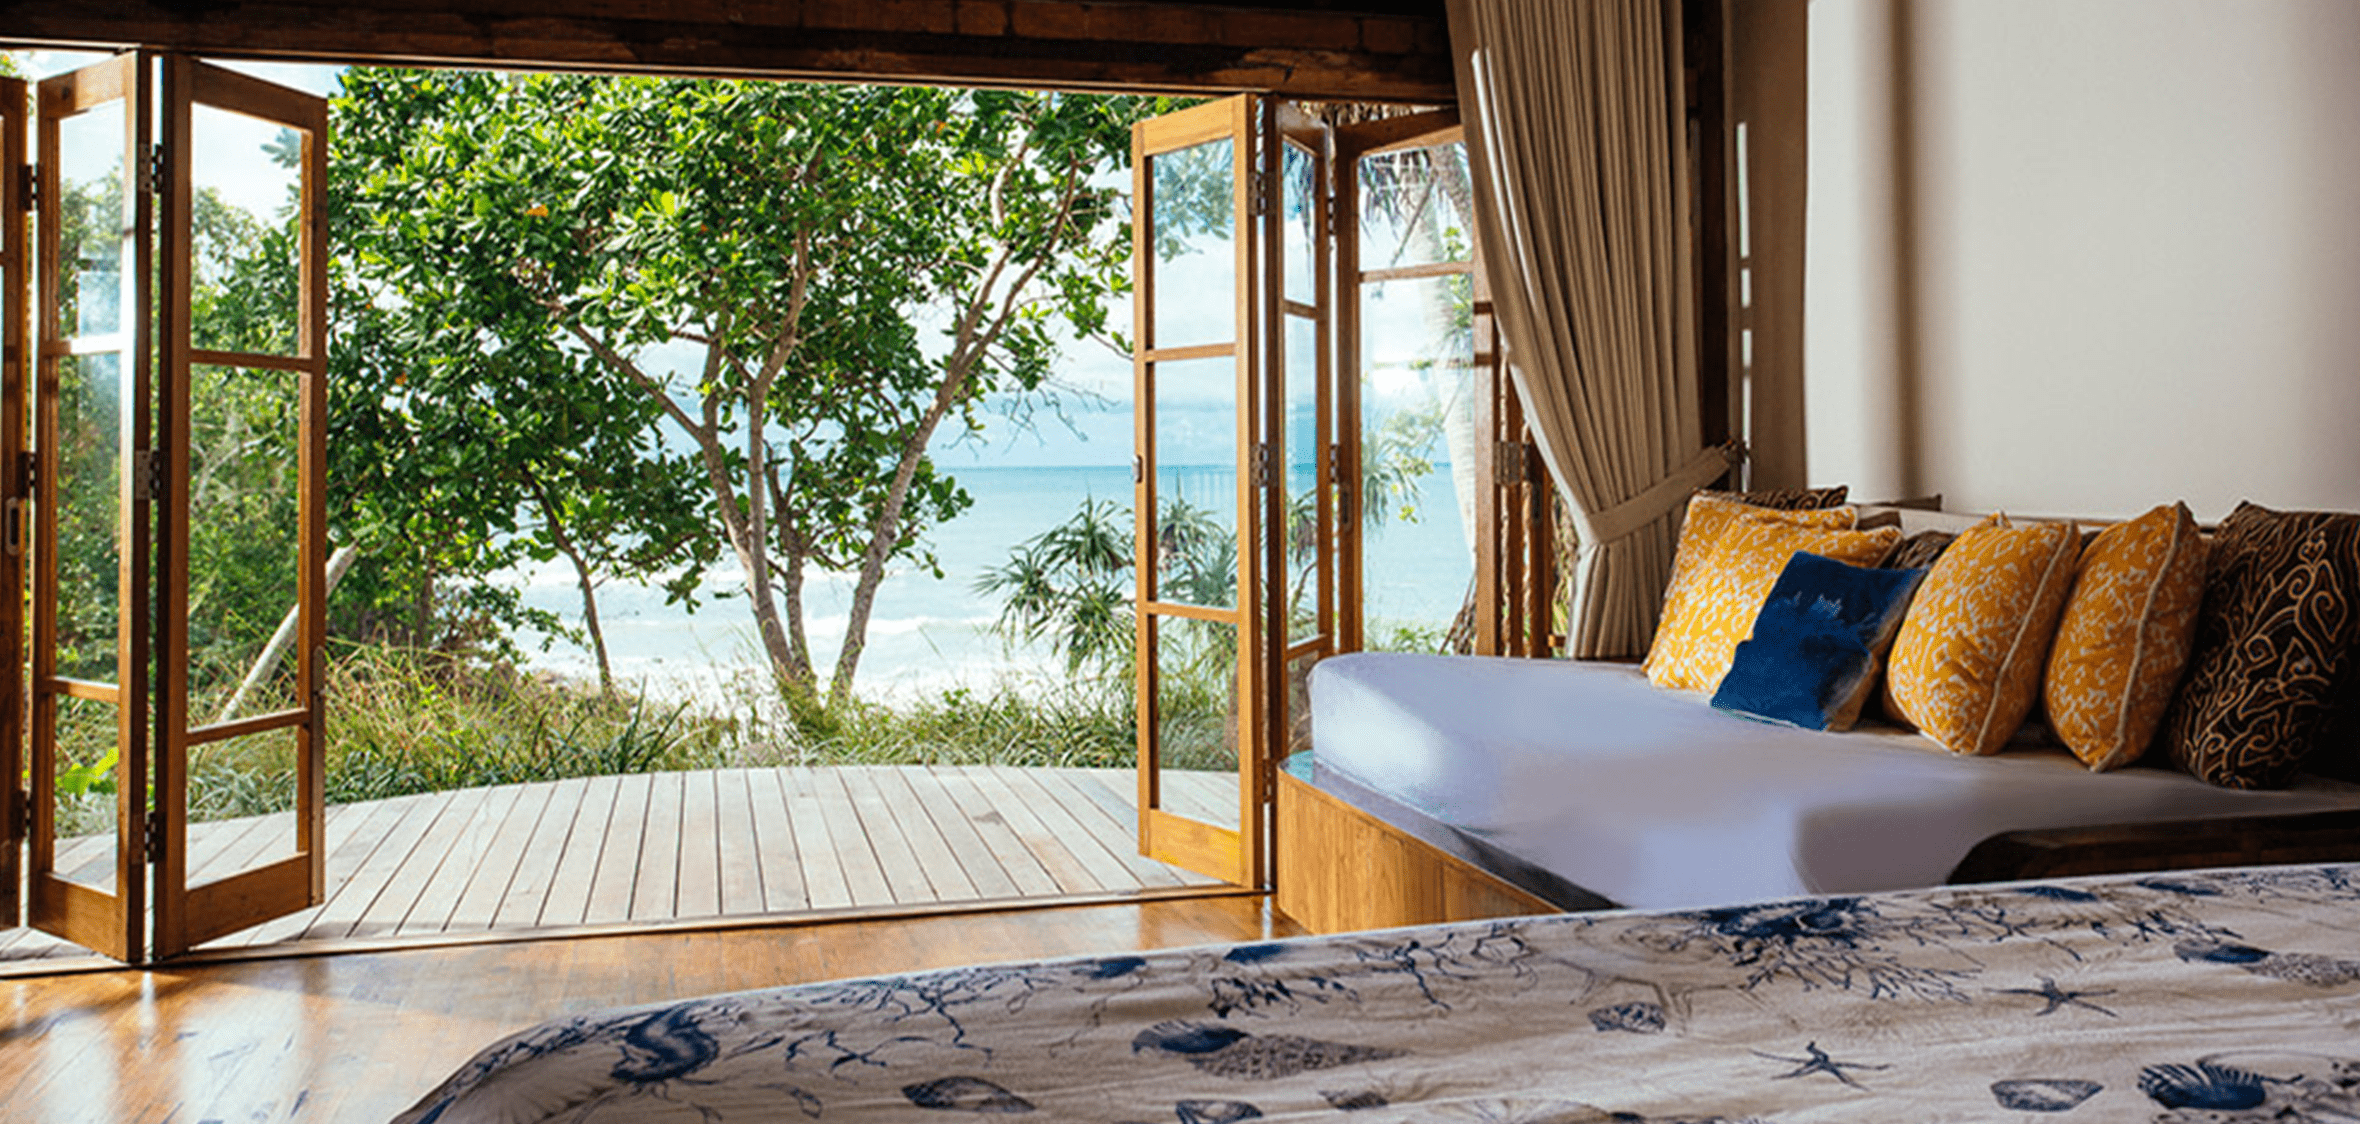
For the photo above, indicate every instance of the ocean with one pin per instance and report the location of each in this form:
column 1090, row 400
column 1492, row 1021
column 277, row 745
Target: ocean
column 929, row 634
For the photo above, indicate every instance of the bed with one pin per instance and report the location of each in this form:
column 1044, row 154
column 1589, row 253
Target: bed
column 1585, row 786
column 2225, row 995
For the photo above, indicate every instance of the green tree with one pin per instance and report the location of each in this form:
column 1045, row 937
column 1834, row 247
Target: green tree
column 806, row 282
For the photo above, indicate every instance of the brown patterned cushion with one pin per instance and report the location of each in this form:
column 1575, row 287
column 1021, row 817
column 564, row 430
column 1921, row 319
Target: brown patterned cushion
column 1789, row 499
column 2274, row 642
column 1918, row 551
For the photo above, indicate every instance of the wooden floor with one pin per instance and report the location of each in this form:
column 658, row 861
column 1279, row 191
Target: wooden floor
column 678, row 846
column 361, row 1037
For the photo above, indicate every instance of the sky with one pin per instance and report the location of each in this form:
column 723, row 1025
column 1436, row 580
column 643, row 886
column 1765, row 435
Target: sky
column 1092, row 425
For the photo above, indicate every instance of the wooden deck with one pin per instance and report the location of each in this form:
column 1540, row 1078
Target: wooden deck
column 667, row 847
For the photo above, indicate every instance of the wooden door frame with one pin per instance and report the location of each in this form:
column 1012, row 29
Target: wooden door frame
column 188, row 915
column 1236, row 855
column 1287, row 124
column 1354, row 143
column 112, row 924
column 16, row 216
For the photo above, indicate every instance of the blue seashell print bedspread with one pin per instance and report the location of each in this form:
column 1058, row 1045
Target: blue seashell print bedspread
column 2218, row 996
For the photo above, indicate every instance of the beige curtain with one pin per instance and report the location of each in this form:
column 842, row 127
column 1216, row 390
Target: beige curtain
column 1574, row 131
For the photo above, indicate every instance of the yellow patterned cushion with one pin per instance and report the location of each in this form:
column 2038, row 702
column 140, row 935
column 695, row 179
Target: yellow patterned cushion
column 2125, row 636
column 1730, row 557
column 1709, row 514
column 1967, row 665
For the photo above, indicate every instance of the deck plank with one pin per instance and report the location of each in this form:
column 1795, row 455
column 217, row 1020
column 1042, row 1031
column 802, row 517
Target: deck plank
column 1108, row 819
column 905, row 874
column 699, row 894
column 1115, row 792
column 569, row 884
column 928, row 811
column 618, row 862
column 1212, row 795
column 659, row 850
column 87, row 859
column 739, row 849
column 854, row 853
column 538, row 857
column 1042, row 797
column 775, row 844
column 823, row 875
column 969, row 805
column 349, row 903
column 1073, row 876
column 505, row 851
column 934, row 852
column 463, row 859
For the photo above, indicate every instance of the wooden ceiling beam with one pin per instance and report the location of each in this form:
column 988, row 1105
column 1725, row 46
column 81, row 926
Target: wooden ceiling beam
column 1373, row 50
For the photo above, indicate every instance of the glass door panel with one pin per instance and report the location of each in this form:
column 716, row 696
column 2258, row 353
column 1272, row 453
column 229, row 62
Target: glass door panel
column 89, row 716
column 1196, row 719
column 241, row 772
column 1235, row 478
column 1299, row 497
column 1406, row 392
column 1194, row 501
column 1194, row 409
column 245, row 576
column 1416, row 397
column 1193, row 217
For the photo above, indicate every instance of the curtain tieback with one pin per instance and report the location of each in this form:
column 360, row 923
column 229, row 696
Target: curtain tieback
column 1596, row 530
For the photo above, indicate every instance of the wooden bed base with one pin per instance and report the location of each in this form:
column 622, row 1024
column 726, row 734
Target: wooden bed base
column 1340, row 869
column 2172, row 845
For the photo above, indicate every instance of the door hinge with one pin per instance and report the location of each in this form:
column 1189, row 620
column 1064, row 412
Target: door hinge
column 28, row 186
column 153, row 840
column 1261, row 464
column 1261, row 191
column 28, row 474
column 148, row 464
column 151, row 171
column 1512, row 463
column 1138, row 468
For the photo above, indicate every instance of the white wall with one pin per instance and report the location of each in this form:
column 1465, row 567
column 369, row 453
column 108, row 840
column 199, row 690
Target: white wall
column 2085, row 255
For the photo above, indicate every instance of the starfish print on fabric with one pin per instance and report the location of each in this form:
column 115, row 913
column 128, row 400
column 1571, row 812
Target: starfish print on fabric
column 2058, row 998
column 1819, row 1062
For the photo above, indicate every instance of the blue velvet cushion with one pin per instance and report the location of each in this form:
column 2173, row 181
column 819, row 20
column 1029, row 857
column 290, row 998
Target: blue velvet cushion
column 1817, row 644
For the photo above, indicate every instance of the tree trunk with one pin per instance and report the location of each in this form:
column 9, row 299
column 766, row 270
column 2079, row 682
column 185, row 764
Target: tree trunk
column 885, row 533
column 551, row 514
column 606, row 674
column 754, row 558
column 798, row 637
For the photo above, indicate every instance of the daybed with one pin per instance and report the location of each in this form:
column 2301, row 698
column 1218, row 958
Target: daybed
column 1582, row 785
column 1445, row 788
column 2222, row 996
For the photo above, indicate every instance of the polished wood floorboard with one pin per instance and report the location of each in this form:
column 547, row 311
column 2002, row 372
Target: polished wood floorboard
column 360, row 1036
column 665, row 847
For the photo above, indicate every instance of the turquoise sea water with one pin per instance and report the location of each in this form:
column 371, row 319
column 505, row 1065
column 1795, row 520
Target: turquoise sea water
column 930, row 633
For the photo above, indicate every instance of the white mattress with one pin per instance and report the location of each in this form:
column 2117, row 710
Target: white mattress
column 1655, row 800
